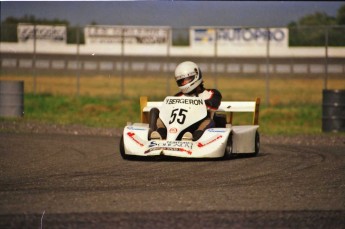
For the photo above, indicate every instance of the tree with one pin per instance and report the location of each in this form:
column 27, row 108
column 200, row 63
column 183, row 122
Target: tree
column 310, row 30
column 317, row 18
column 9, row 28
column 33, row 20
column 341, row 15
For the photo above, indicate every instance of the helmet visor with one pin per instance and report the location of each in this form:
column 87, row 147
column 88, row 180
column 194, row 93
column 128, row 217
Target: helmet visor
column 185, row 81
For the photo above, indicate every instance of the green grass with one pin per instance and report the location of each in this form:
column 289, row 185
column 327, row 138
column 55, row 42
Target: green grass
column 292, row 119
column 84, row 110
column 295, row 102
column 113, row 112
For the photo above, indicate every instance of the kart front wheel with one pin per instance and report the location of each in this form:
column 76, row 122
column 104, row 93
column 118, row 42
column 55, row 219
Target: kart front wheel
column 228, row 149
column 122, row 149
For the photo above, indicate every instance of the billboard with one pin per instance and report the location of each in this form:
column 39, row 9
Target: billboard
column 99, row 34
column 239, row 36
column 50, row 33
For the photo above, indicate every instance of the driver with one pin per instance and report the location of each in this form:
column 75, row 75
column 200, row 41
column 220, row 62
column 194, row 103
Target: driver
column 189, row 79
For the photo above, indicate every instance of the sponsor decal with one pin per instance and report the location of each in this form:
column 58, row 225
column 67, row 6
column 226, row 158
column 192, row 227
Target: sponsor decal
column 99, row 34
column 173, row 130
column 50, row 33
column 168, row 148
column 209, row 141
column 135, row 128
column 204, row 35
column 187, row 75
column 240, row 36
column 216, row 131
column 171, row 146
column 135, row 138
column 252, row 34
column 174, row 144
column 185, row 101
column 187, row 151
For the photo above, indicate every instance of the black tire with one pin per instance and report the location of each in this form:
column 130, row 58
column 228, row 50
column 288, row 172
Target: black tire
column 122, row 149
column 228, row 149
column 257, row 143
column 219, row 120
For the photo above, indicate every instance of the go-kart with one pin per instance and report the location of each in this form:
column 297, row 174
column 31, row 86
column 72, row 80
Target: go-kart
column 179, row 113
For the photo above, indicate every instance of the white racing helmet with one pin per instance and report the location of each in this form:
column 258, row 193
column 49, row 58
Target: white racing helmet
column 188, row 76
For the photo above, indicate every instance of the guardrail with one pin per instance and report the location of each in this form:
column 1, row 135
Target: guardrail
column 142, row 65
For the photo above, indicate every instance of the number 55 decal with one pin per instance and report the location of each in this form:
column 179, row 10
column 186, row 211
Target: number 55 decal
column 179, row 115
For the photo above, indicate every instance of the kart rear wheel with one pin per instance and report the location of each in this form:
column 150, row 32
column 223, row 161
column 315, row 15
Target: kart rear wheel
column 257, row 143
column 228, row 149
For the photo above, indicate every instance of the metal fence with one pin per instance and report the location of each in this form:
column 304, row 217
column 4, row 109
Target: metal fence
column 76, row 62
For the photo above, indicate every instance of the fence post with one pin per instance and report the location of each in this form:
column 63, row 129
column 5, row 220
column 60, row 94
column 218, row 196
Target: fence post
column 168, row 61
column 325, row 82
column 268, row 67
column 34, row 63
column 78, row 62
column 122, row 62
column 215, row 58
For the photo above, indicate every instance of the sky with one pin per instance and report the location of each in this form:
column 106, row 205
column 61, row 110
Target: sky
column 177, row 14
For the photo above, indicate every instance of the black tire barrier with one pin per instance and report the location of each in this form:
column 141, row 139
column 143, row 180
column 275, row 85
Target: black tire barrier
column 11, row 98
column 333, row 110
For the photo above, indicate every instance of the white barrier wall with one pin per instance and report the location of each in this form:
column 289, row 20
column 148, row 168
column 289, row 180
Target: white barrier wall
column 156, row 41
column 163, row 50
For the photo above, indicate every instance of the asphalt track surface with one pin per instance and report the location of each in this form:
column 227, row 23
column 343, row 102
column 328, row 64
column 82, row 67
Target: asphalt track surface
column 66, row 181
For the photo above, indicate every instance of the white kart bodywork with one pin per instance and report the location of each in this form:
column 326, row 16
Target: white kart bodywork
column 178, row 113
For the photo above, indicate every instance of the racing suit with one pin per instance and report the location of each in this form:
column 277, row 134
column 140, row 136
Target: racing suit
column 212, row 98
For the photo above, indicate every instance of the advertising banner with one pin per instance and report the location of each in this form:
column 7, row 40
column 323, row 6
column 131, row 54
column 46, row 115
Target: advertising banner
column 50, row 33
column 239, row 36
column 98, row 34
